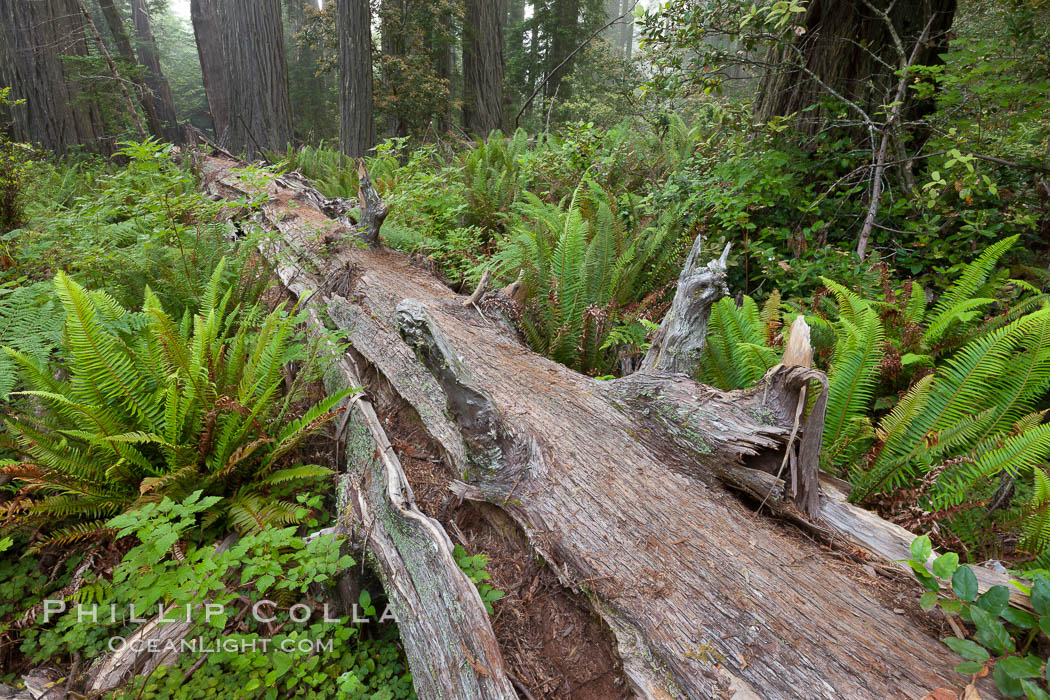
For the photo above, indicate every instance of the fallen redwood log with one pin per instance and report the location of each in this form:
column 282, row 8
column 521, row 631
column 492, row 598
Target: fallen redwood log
column 620, row 485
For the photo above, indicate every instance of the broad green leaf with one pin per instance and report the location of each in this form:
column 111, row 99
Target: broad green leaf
column 282, row 662
column 921, row 549
column 1041, row 596
column 969, row 667
column 1007, row 685
column 995, row 600
column 264, row 582
column 990, row 632
column 964, row 584
column 1017, row 667
column 946, row 565
column 928, row 600
column 967, row 649
column 1019, row 617
column 1033, row 692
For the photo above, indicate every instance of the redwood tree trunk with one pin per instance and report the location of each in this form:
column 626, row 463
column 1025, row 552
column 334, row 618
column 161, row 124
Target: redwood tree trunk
column 850, row 49
column 33, row 37
column 483, row 66
column 260, row 109
column 357, row 130
column 564, row 36
column 156, row 82
column 627, row 30
column 208, row 16
column 124, row 49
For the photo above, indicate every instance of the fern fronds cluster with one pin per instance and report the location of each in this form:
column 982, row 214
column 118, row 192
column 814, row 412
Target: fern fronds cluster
column 31, row 323
column 581, row 265
column 491, row 172
column 959, row 428
column 738, row 350
column 153, row 407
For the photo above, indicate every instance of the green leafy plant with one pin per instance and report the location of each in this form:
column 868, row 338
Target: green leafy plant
column 273, row 564
column 474, row 568
column 31, row 322
column 153, row 408
column 491, row 172
column 14, row 159
column 121, row 229
column 974, row 367
column 1005, row 637
column 581, row 265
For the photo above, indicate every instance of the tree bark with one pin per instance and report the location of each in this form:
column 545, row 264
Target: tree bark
column 444, row 625
column 483, row 66
column 678, row 345
column 515, row 28
column 156, row 82
column 33, row 38
column 208, row 16
column 117, row 78
column 116, row 30
column 620, row 486
column 627, row 30
column 565, row 35
column 393, row 20
column 260, row 109
column 357, row 131
column 124, row 49
column 848, row 47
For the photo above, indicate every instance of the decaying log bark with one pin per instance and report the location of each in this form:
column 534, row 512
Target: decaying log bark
column 444, row 625
column 620, row 485
column 373, row 209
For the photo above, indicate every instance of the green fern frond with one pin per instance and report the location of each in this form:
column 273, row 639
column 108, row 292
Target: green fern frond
column 1018, row 454
column 1036, row 526
column 971, row 279
column 304, row 472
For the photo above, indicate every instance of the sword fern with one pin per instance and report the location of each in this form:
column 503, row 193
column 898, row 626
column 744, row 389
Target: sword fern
column 152, row 408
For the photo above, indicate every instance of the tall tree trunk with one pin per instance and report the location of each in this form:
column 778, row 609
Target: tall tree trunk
column 627, row 30
column 850, row 48
column 260, row 109
column 33, row 37
column 357, row 131
column 535, row 70
column 310, row 90
column 208, row 17
column 483, row 66
column 117, row 78
column 444, row 64
column 613, row 8
column 392, row 23
column 564, row 32
column 124, row 49
column 156, row 82
column 515, row 29
column 116, row 29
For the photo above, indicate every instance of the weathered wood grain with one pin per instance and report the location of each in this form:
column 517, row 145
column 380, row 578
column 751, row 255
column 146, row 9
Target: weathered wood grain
column 620, row 486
